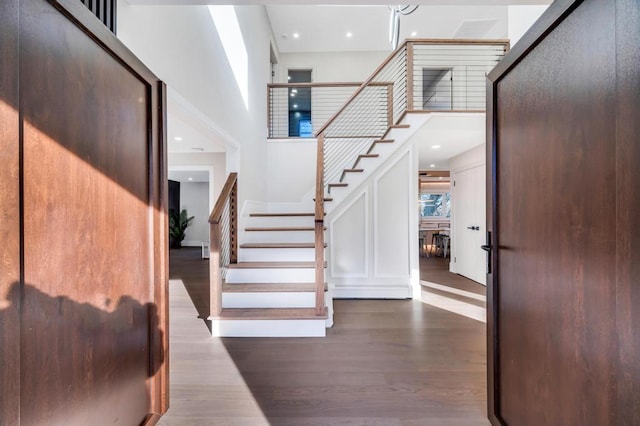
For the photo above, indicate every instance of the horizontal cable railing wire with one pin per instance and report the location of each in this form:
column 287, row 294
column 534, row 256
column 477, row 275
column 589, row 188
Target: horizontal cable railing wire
column 223, row 244
column 315, row 103
column 452, row 76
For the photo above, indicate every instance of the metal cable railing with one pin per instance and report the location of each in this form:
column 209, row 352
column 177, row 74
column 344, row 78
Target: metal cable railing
column 300, row 109
column 223, row 223
column 421, row 75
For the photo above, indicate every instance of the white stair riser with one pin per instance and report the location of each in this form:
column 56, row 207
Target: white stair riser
column 280, row 221
column 277, row 237
column 268, row 328
column 269, row 300
column 277, row 255
column 271, row 275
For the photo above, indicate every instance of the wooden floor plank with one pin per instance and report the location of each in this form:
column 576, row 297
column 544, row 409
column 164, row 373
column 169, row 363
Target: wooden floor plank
column 384, row 363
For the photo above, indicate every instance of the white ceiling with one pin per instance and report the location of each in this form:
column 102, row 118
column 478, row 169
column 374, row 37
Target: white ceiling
column 325, row 28
column 453, row 133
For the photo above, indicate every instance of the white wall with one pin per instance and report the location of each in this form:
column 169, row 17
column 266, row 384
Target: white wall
column 473, row 157
column 194, row 196
column 372, row 235
column 291, row 170
column 181, row 45
column 209, row 159
column 520, row 19
column 331, row 67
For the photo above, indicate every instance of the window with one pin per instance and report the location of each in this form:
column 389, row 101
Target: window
column 435, row 205
column 300, row 105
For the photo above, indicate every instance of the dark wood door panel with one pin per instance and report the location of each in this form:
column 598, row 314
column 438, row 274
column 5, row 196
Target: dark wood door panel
column 628, row 209
column 565, row 302
column 9, row 216
column 90, row 340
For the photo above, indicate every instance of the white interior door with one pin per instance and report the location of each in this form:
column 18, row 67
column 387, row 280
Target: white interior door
column 468, row 201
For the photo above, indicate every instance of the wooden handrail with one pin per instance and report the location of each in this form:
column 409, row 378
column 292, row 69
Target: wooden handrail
column 216, row 213
column 217, row 262
column 362, row 87
column 304, row 85
column 414, row 41
column 319, row 227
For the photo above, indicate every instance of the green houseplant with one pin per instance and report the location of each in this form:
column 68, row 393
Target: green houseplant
column 178, row 224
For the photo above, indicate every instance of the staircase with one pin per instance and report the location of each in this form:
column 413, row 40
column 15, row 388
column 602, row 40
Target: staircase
column 272, row 284
column 270, row 291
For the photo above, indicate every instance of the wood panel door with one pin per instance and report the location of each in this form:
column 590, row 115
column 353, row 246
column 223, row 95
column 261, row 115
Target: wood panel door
column 83, row 285
column 564, row 185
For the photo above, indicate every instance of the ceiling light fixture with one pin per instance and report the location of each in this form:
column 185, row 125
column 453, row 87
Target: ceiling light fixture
column 394, row 22
column 435, row 146
column 295, row 105
column 190, row 178
column 414, row 33
column 177, row 138
column 349, row 34
column 296, row 35
column 432, row 165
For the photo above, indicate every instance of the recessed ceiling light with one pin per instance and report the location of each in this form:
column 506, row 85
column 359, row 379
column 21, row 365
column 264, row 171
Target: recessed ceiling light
column 440, row 178
column 295, row 105
column 293, row 94
column 435, row 146
column 289, row 78
column 177, row 138
column 296, row 35
column 294, row 90
column 190, row 178
column 413, row 34
column 349, row 34
column 432, row 165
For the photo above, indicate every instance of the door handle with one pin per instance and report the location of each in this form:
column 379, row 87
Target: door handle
column 489, row 249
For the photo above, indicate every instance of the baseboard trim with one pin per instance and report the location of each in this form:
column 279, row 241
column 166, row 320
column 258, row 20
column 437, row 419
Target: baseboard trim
column 372, row 292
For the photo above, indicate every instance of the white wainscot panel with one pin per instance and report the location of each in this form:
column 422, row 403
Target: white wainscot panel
column 348, row 241
column 391, row 229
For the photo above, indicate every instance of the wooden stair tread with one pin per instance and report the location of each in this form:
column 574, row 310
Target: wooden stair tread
column 384, row 141
column 353, row 170
column 271, row 313
column 268, row 214
column 284, row 229
column 399, row 126
column 277, row 245
column 269, row 287
column 274, row 265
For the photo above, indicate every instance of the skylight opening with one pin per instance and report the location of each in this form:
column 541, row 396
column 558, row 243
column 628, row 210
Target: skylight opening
column 228, row 28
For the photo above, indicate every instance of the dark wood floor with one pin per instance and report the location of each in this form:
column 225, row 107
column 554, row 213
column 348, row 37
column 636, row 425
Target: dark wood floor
column 402, row 362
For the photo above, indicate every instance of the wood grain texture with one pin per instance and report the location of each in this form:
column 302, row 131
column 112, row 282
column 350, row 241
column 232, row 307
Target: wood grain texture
column 9, row 217
column 384, row 363
column 628, row 210
column 93, row 343
column 566, row 194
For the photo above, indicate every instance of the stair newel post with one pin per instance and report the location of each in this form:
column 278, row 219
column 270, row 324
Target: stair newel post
column 409, row 70
column 215, row 274
column 233, row 223
column 390, row 105
column 319, row 226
